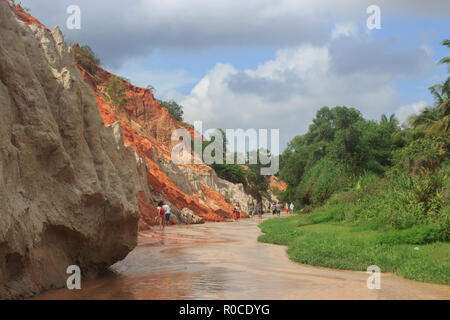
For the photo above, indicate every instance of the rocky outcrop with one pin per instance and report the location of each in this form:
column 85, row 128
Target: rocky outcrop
column 276, row 185
column 68, row 186
column 147, row 127
column 188, row 217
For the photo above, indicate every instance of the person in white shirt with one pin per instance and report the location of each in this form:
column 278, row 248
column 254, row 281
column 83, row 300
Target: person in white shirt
column 292, row 207
column 167, row 214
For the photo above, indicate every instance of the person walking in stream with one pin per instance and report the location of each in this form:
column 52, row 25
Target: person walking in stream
column 260, row 210
column 236, row 212
column 252, row 211
column 160, row 212
column 166, row 208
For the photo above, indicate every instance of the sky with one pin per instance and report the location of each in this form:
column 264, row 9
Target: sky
column 266, row 64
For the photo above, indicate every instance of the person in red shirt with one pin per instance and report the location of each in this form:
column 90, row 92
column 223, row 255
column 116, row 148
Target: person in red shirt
column 237, row 212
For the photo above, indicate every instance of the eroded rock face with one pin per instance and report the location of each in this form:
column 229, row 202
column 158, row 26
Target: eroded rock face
column 147, row 127
column 68, row 187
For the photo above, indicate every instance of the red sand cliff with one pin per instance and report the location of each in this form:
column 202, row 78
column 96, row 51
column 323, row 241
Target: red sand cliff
column 277, row 185
column 152, row 141
column 147, row 127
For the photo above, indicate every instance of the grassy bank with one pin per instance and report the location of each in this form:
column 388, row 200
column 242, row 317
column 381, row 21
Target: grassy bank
column 316, row 239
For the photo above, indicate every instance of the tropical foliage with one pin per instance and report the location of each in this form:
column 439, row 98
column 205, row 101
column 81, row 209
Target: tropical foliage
column 374, row 173
column 86, row 57
column 174, row 109
column 116, row 91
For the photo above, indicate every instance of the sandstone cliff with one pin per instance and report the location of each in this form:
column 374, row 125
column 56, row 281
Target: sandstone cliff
column 68, row 186
column 147, row 128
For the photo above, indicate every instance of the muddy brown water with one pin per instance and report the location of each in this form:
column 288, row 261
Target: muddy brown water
column 225, row 261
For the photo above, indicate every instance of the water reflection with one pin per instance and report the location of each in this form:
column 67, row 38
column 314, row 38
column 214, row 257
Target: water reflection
column 224, row 261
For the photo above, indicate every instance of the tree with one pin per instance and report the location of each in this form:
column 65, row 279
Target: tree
column 116, row 91
column 436, row 120
column 174, row 109
column 447, row 61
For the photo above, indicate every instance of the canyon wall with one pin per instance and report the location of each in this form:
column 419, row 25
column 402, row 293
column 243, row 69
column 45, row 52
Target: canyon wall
column 68, row 186
column 147, row 128
column 80, row 177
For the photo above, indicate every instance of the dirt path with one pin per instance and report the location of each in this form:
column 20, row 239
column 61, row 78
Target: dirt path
column 225, row 261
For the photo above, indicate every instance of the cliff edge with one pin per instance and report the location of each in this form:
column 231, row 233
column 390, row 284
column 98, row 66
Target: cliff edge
column 68, row 185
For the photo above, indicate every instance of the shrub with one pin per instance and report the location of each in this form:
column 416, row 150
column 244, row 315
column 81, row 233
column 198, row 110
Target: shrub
column 375, row 167
column 116, row 91
column 420, row 234
column 321, row 181
column 86, row 58
column 174, row 109
column 230, row 172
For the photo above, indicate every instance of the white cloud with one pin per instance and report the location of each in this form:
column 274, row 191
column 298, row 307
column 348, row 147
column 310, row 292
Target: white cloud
column 345, row 29
column 405, row 111
column 164, row 81
column 285, row 92
column 119, row 30
column 313, row 69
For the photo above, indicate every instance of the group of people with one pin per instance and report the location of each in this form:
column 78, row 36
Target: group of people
column 163, row 214
column 276, row 208
column 164, row 211
column 237, row 212
column 253, row 210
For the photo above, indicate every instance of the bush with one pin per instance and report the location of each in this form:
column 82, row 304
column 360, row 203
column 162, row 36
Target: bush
column 321, row 181
column 174, row 109
column 86, row 58
column 116, row 91
column 308, row 209
column 425, row 153
column 375, row 167
column 230, row 172
column 420, row 234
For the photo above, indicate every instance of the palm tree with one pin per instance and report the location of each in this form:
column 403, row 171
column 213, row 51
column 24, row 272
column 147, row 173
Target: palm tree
column 436, row 119
column 391, row 122
column 392, row 119
column 447, row 61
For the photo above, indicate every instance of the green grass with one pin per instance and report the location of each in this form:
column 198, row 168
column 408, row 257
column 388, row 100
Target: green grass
column 317, row 240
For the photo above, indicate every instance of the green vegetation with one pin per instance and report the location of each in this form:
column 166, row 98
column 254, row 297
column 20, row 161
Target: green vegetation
column 248, row 174
column 116, row 91
column 174, row 109
column 370, row 192
column 331, row 244
column 86, row 58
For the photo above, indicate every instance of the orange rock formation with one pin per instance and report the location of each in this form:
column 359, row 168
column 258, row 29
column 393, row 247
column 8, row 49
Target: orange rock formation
column 147, row 127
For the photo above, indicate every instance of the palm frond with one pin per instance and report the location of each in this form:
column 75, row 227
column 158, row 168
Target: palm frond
column 436, row 91
column 444, row 108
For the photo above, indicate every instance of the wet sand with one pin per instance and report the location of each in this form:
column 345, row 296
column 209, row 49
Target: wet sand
column 225, row 261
